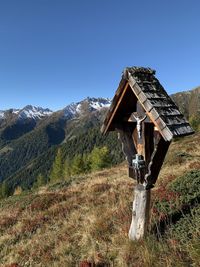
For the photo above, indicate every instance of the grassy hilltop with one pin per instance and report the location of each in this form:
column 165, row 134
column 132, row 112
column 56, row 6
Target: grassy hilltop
column 84, row 221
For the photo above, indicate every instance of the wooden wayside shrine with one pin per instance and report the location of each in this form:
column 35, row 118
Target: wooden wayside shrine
column 146, row 120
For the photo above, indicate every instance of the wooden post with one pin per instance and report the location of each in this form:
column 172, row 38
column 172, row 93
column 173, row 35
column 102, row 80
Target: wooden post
column 142, row 196
column 140, row 213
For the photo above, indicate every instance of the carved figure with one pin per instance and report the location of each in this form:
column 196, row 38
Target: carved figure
column 139, row 125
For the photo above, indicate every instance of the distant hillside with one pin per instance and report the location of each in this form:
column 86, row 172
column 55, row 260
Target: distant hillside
column 188, row 102
column 84, row 221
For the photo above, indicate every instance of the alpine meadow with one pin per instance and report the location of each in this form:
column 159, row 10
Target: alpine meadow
column 99, row 133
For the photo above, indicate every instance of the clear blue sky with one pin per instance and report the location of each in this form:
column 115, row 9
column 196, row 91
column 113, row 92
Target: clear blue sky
column 53, row 52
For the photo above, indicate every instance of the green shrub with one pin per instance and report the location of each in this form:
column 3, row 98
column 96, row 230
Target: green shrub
column 195, row 122
column 173, row 202
column 187, row 186
column 188, row 227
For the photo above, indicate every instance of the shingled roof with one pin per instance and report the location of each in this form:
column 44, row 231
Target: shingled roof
column 157, row 104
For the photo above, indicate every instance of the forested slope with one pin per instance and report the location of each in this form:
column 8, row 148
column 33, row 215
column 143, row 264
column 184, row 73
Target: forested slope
column 23, row 159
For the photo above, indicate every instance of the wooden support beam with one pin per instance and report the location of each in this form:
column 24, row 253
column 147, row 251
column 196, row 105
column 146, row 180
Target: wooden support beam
column 148, row 141
column 157, row 160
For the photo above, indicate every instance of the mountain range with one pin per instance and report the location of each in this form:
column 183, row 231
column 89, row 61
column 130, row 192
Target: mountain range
column 29, row 137
column 30, row 112
column 26, row 113
column 16, row 122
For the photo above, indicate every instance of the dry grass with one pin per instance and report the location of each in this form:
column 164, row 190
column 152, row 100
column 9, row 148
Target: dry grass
column 182, row 156
column 87, row 222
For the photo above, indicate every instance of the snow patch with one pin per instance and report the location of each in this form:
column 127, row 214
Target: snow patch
column 2, row 114
column 98, row 105
column 16, row 111
column 78, row 108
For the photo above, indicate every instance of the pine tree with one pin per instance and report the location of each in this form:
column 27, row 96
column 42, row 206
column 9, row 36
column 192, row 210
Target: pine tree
column 57, row 173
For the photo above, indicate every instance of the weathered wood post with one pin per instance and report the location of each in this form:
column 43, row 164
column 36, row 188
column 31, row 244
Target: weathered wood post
column 140, row 212
column 146, row 120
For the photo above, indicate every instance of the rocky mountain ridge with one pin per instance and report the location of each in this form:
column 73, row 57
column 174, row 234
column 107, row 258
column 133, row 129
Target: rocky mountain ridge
column 37, row 113
column 188, row 102
column 28, row 112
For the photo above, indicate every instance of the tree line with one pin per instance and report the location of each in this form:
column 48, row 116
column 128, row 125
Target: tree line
column 64, row 168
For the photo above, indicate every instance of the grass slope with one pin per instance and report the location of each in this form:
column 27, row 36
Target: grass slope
column 85, row 221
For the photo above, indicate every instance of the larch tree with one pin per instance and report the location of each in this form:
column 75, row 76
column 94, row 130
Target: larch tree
column 77, row 166
column 57, row 173
column 100, row 158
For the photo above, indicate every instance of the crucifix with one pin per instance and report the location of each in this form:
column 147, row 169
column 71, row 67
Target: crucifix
column 140, row 144
column 146, row 120
column 139, row 125
column 142, row 196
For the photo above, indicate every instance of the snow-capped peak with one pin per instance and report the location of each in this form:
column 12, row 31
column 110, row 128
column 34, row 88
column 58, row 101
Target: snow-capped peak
column 33, row 112
column 28, row 112
column 74, row 109
column 87, row 105
column 4, row 113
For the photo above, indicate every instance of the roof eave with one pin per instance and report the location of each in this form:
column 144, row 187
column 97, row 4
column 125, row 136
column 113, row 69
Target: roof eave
column 107, row 121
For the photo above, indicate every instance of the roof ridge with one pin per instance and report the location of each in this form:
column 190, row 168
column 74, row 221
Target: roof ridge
column 135, row 69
